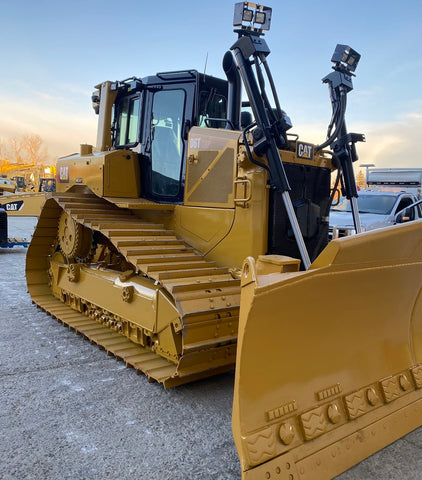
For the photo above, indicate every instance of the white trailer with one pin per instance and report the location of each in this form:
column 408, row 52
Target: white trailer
column 396, row 179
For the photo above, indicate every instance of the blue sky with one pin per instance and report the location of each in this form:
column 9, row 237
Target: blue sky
column 53, row 53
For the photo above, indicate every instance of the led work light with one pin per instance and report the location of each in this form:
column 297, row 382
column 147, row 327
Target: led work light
column 251, row 16
column 345, row 57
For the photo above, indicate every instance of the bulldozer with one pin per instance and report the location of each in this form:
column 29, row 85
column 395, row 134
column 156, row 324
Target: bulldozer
column 31, row 184
column 6, row 242
column 193, row 239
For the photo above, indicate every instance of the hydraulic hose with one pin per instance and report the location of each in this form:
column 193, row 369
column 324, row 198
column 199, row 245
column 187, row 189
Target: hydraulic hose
column 339, row 121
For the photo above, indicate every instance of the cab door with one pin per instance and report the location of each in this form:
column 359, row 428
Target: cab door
column 169, row 113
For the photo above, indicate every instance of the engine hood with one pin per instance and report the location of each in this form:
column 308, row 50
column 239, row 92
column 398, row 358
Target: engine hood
column 369, row 221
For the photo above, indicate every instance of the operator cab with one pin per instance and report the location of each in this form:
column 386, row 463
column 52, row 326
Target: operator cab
column 152, row 116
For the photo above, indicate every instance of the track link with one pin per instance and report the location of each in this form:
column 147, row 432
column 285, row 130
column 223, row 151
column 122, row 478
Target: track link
column 206, row 296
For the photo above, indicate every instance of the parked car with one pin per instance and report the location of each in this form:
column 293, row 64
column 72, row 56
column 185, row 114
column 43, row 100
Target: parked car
column 377, row 209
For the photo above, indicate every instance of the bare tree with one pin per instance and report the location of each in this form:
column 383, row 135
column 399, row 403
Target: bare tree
column 34, row 149
column 15, row 150
column 28, row 148
column 2, row 150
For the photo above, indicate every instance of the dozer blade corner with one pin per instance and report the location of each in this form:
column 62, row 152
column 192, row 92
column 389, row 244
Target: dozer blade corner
column 194, row 239
column 329, row 362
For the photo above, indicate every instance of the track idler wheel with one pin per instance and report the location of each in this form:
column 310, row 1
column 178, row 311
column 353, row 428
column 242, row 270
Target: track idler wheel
column 74, row 238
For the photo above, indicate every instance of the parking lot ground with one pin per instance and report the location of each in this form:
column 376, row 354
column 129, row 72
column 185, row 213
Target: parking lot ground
column 69, row 411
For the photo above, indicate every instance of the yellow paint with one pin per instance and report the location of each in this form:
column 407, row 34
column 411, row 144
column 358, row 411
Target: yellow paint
column 31, row 205
column 110, row 174
column 345, row 322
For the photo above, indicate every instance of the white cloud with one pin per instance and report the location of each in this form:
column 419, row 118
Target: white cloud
column 388, row 144
column 64, row 127
column 393, row 144
column 61, row 131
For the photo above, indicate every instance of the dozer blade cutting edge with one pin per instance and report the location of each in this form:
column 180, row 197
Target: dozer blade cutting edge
column 329, row 361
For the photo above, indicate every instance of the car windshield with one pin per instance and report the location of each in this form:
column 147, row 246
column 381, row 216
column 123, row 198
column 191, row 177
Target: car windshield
column 378, row 204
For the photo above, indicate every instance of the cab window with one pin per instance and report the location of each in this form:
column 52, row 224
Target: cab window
column 167, row 142
column 128, row 121
column 211, row 105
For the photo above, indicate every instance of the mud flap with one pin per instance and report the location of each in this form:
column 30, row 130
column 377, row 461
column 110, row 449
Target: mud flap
column 329, row 361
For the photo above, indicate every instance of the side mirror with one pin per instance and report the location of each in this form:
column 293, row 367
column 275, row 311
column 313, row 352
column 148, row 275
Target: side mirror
column 408, row 214
column 402, row 216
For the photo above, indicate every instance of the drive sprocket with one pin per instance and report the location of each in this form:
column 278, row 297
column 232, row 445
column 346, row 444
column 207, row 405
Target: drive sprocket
column 74, row 238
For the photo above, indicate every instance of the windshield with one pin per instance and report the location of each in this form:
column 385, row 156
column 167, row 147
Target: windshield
column 378, row 204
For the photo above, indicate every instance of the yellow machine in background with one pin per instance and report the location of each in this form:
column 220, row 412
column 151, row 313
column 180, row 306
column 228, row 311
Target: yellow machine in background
column 5, row 241
column 195, row 237
column 31, row 183
column 29, row 177
column 7, row 186
column 25, row 204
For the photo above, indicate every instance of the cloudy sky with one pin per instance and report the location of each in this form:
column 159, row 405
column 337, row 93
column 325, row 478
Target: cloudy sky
column 54, row 52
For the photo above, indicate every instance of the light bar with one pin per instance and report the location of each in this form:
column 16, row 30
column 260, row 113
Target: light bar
column 250, row 16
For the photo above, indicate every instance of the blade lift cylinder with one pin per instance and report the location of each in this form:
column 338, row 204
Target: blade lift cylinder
column 265, row 135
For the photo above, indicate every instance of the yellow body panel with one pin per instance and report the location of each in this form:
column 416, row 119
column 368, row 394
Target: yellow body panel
column 321, row 159
column 329, row 352
column 6, row 187
column 105, row 288
column 203, row 228
column 248, row 235
column 23, row 204
column 211, row 167
column 109, row 174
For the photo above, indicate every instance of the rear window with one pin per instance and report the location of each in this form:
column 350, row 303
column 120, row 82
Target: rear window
column 128, row 121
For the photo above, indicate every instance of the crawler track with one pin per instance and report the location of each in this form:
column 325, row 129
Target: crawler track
column 205, row 295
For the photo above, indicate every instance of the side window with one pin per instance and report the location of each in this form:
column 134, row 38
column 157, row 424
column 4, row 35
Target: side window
column 167, row 143
column 211, row 105
column 128, row 121
column 404, row 203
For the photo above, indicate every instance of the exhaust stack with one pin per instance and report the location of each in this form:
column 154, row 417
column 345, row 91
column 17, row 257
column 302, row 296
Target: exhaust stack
column 234, row 94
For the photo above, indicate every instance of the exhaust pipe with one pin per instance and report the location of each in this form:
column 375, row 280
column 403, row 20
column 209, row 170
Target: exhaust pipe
column 234, row 92
column 103, row 105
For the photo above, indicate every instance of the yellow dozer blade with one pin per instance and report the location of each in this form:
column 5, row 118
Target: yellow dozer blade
column 329, row 361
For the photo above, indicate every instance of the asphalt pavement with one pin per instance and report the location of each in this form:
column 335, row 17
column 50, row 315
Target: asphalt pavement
column 69, row 411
